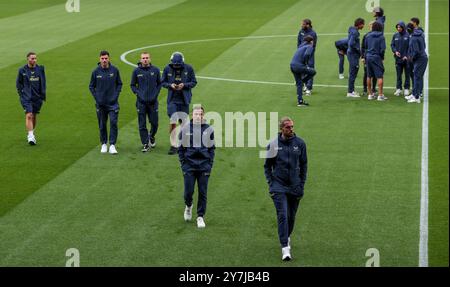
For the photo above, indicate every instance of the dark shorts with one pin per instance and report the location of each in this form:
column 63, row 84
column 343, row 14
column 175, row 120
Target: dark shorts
column 375, row 68
column 173, row 108
column 31, row 106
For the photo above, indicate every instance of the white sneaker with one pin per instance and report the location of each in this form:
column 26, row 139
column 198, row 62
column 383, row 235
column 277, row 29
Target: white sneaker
column 341, row 76
column 406, row 92
column 286, row 254
column 353, row 95
column 414, row 100
column 304, row 88
column 31, row 139
column 409, row 97
column 200, row 222
column 370, row 97
column 397, row 92
column 381, row 98
column 188, row 213
column 112, row 149
column 104, row 148
column 308, row 93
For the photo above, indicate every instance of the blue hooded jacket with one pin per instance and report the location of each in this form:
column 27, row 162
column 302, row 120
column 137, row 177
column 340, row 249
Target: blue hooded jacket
column 381, row 20
column 303, row 55
column 187, row 78
column 197, row 148
column 376, row 45
column 105, row 86
column 31, row 83
column 286, row 172
column 303, row 33
column 354, row 46
column 342, row 44
column 146, row 83
column 400, row 42
column 417, row 46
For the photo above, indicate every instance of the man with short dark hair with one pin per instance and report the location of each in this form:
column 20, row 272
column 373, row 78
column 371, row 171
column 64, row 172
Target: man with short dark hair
column 307, row 30
column 146, row 85
column 31, row 87
column 179, row 78
column 285, row 169
column 376, row 47
column 378, row 13
column 105, row 87
column 196, row 154
column 301, row 69
column 353, row 56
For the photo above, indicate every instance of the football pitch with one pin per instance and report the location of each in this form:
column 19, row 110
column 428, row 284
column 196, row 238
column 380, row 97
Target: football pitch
column 365, row 158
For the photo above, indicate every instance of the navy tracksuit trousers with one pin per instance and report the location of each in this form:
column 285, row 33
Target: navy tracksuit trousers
column 201, row 177
column 286, row 206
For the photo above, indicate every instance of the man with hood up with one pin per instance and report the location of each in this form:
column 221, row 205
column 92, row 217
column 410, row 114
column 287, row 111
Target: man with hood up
column 307, row 30
column 146, row 85
column 105, row 87
column 353, row 56
column 376, row 47
column 417, row 55
column 363, row 58
column 179, row 78
column 399, row 46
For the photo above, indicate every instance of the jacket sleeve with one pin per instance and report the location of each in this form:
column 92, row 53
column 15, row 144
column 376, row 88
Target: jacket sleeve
column 303, row 160
column 19, row 82
column 158, row 81
column 191, row 80
column 211, row 149
column 299, row 38
column 393, row 48
column 92, row 84
column 268, row 166
column 412, row 50
column 118, row 83
column 364, row 47
column 165, row 78
column 352, row 43
column 43, row 84
column 133, row 83
column 383, row 47
column 315, row 40
column 181, row 148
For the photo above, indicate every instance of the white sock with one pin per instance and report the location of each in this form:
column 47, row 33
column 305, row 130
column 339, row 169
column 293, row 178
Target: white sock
column 30, row 133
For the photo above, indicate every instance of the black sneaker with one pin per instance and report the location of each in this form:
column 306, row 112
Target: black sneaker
column 172, row 150
column 302, row 104
column 145, row 148
column 152, row 142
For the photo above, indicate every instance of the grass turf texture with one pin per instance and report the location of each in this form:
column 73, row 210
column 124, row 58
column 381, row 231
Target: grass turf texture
column 363, row 189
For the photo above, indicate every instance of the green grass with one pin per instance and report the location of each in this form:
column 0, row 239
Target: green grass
column 363, row 188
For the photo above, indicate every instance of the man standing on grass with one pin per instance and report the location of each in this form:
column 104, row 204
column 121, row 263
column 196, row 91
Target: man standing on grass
column 146, row 84
column 418, row 57
column 285, row 169
column 31, row 87
column 363, row 59
column 341, row 47
column 353, row 56
column 300, row 67
column 179, row 78
column 105, row 87
column 307, row 30
column 196, row 154
column 399, row 46
column 376, row 47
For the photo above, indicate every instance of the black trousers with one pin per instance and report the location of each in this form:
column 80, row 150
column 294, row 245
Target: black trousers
column 286, row 205
column 102, row 115
column 190, row 178
column 150, row 111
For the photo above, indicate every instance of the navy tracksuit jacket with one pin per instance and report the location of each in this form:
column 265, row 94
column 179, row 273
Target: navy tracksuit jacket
column 196, row 154
column 341, row 45
column 419, row 59
column 187, row 78
column 105, row 87
column 146, row 85
column 285, row 170
column 400, row 43
column 300, row 39
column 375, row 44
column 301, row 69
column 353, row 55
